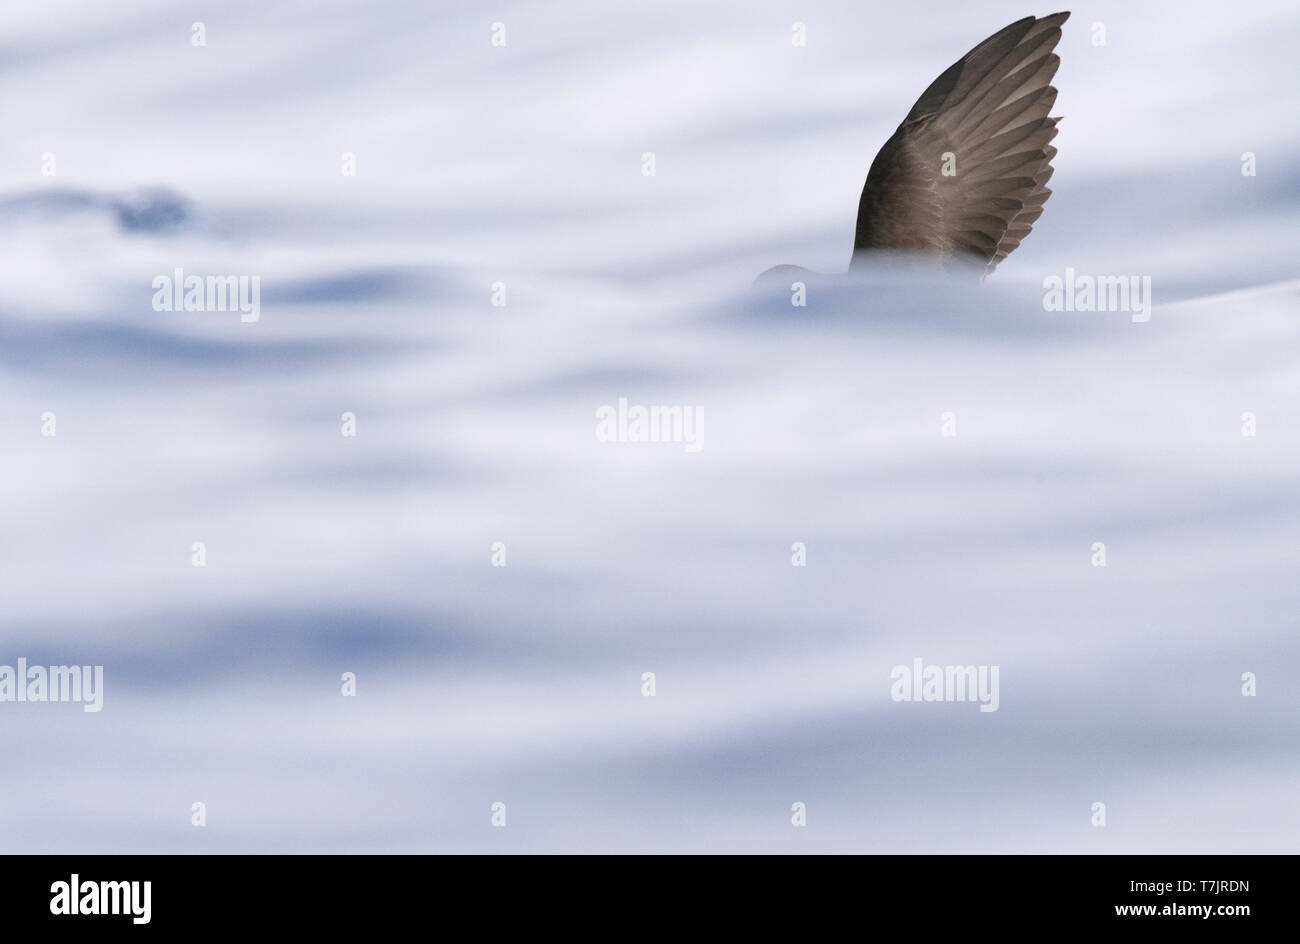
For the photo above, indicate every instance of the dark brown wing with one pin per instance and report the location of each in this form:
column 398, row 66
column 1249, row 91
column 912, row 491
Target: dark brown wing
column 985, row 123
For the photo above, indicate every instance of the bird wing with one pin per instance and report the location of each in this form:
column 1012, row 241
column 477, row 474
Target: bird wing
column 965, row 175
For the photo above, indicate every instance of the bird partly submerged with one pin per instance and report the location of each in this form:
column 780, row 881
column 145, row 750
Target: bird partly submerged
column 965, row 176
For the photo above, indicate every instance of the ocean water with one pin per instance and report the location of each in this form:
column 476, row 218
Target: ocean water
column 489, row 174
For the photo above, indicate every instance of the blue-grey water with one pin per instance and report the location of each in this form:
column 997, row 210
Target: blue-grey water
column 487, row 173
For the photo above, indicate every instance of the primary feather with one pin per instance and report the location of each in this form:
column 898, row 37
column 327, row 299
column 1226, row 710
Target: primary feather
column 985, row 119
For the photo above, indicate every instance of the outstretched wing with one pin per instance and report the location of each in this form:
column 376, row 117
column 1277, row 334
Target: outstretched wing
column 965, row 175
